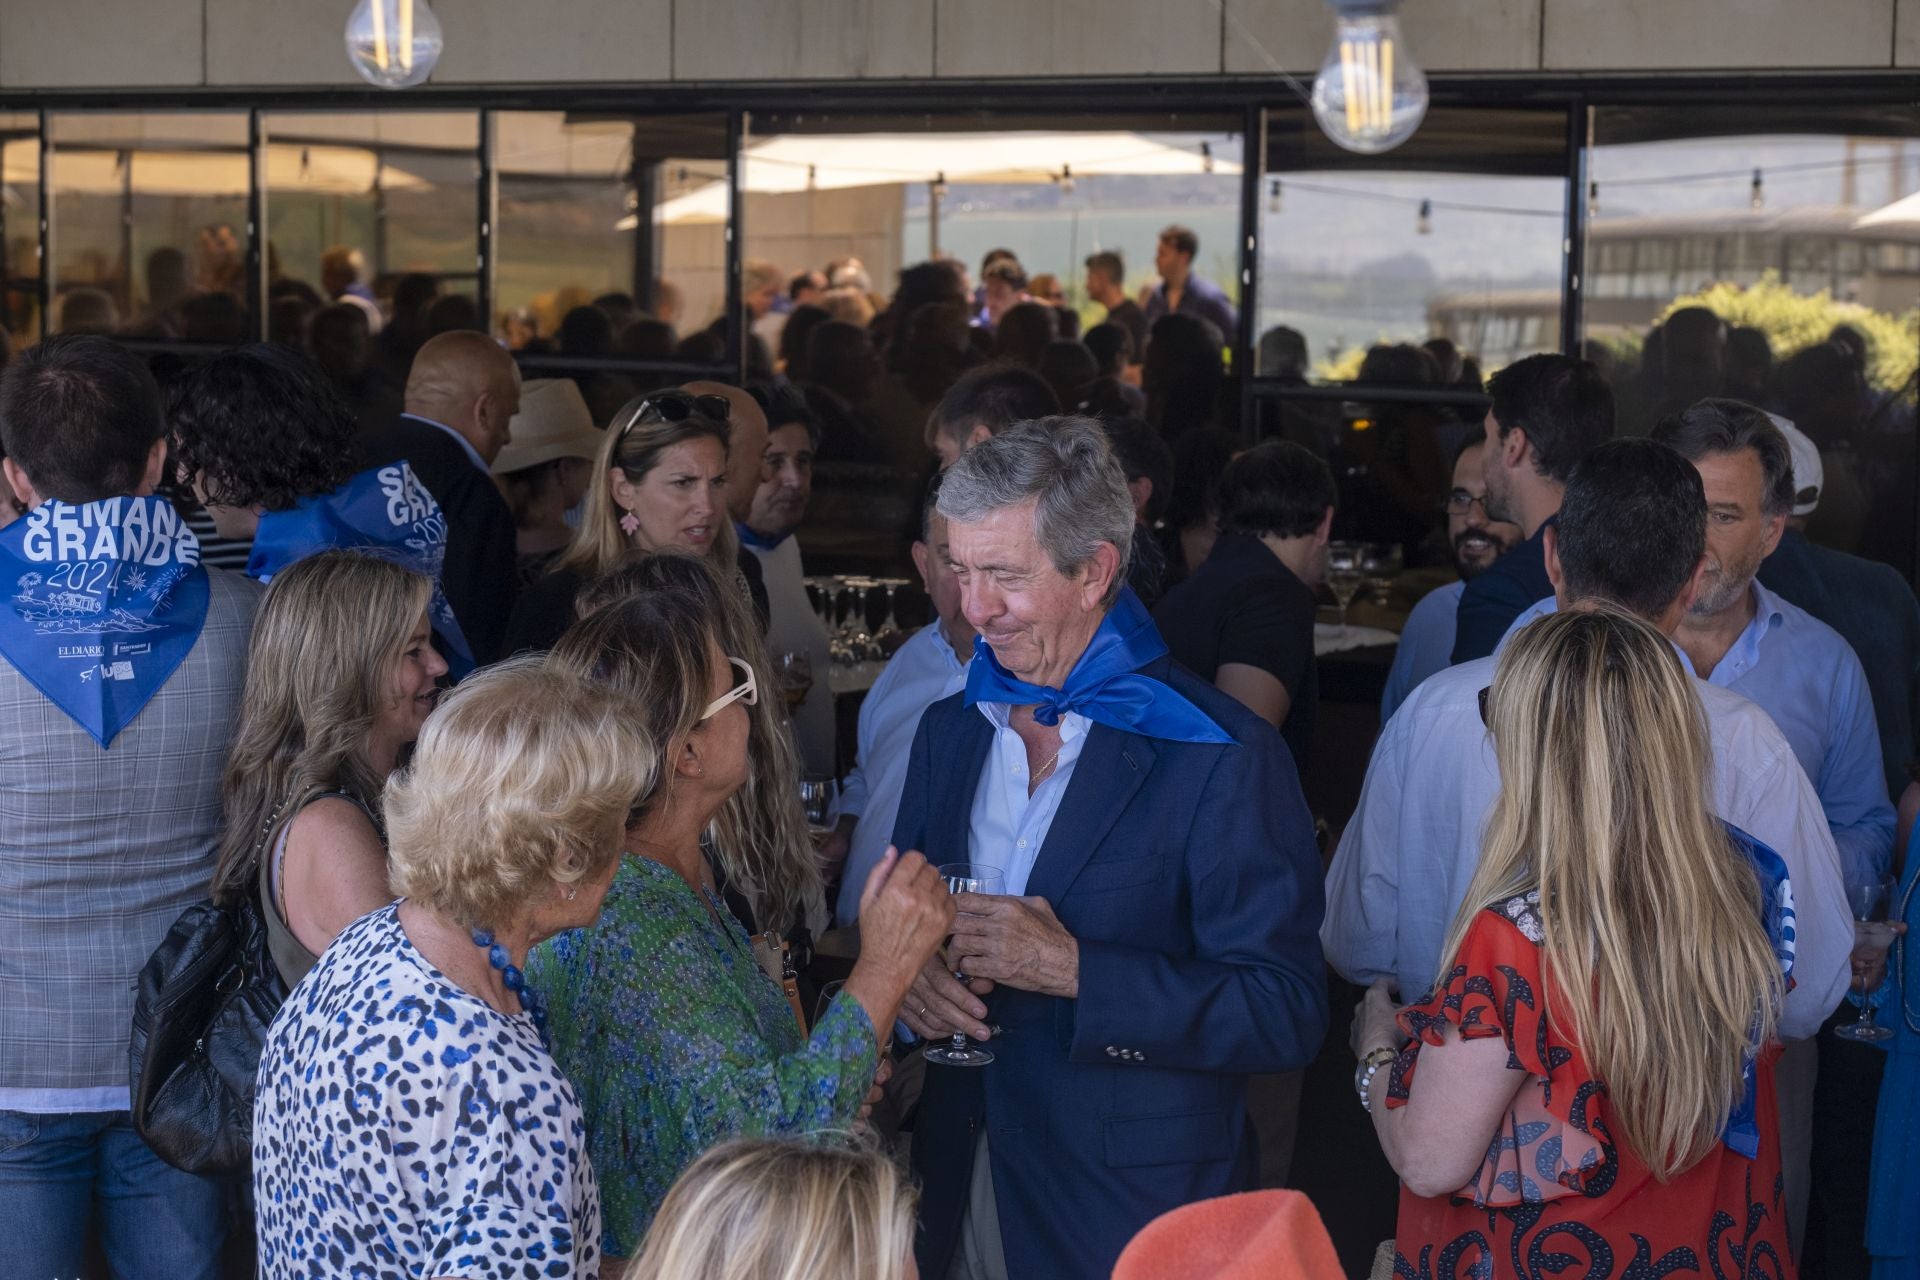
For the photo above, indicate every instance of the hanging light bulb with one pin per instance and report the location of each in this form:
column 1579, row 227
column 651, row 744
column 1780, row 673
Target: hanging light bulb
column 1273, row 196
column 1206, row 157
column 940, row 185
column 1369, row 96
column 393, row 43
column 1066, row 180
column 812, row 177
column 1757, row 200
column 1593, row 199
column 1425, row 224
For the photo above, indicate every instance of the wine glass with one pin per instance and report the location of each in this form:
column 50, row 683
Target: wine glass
column 1872, row 936
column 795, row 668
column 1343, row 575
column 966, row 877
column 1380, row 564
column 816, row 797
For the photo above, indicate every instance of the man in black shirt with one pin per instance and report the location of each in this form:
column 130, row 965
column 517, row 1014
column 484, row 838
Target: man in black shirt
column 1106, row 285
column 1244, row 620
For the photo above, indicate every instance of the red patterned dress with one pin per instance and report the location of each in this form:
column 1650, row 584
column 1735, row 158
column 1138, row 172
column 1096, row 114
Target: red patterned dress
column 1556, row 1199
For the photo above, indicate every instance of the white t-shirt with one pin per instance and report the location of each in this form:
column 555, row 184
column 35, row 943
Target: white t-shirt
column 405, row 1127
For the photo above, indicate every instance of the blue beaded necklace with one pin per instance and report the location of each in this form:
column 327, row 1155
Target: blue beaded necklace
column 516, row 982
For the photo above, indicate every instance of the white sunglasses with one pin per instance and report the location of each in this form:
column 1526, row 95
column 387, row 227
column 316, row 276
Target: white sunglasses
column 747, row 691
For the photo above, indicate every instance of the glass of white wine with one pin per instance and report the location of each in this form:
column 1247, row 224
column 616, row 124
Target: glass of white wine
column 1344, row 575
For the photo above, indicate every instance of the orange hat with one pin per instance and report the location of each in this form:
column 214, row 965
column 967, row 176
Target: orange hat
column 1259, row 1235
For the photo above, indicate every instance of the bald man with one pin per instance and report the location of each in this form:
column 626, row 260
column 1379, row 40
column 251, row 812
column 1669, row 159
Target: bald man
column 462, row 391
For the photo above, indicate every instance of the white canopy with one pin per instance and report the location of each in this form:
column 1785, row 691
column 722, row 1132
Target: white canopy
column 801, row 162
column 1902, row 212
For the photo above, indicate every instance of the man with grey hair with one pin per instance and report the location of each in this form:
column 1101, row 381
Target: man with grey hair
column 1155, row 942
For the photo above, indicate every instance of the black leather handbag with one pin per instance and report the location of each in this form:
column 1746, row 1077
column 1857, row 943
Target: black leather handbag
column 200, row 1019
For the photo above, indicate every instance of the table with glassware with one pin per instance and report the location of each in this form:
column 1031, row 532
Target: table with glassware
column 859, row 648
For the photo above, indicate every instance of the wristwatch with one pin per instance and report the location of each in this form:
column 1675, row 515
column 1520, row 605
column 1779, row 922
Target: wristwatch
column 1364, row 1073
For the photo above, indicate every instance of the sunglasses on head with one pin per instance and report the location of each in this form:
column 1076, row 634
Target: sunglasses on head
column 678, row 406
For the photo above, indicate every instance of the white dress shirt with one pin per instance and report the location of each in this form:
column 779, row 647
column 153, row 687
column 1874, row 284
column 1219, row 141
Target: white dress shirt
column 1405, row 860
column 793, row 626
column 1008, row 826
column 925, row 670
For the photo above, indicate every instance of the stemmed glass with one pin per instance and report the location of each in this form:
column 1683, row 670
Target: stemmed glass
column 1872, row 936
column 816, row 797
column 1343, row 575
column 891, row 627
column 1380, row 564
column 966, row 877
column 796, row 677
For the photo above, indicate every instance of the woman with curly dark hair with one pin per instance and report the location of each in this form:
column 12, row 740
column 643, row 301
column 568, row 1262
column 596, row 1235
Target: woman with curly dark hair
column 269, row 445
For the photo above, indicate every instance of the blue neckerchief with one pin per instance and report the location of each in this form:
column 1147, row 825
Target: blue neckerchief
column 753, row 538
column 108, row 599
column 1105, row 685
column 385, row 512
column 1776, row 912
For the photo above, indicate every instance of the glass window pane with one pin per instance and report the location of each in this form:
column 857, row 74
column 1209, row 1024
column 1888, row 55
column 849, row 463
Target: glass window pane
column 1456, row 235
column 571, row 230
column 1795, row 237
column 856, row 200
column 150, row 224
column 400, row 188
column 20, row 223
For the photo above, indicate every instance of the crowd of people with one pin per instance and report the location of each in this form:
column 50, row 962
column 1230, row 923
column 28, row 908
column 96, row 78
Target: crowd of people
column 487, row 699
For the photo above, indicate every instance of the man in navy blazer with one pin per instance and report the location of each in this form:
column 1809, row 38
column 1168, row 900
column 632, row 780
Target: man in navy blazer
column 1157, row 942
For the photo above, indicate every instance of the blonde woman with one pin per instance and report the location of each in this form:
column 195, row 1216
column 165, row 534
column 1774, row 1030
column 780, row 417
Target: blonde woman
column 1595, row 1070
column 664, row 1015
column 341, row 673
column 659, row 484
column 410, row 1120
column 780, row 1210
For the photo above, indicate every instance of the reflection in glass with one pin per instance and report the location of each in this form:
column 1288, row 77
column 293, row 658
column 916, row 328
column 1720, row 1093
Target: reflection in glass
column 20, row 224
column 151, row 210
column 1806, row 302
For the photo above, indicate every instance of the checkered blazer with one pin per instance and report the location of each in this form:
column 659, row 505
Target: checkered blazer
column 100, row 851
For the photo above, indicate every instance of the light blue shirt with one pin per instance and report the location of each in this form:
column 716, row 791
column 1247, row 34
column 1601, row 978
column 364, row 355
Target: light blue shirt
column 1426, row 645
column 1008, row 826
column 924, row 671
column 473, row 454
column 1805, row 675
column 1405, row 861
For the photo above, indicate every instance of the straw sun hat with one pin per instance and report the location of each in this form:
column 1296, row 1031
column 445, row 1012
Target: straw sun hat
column 553, row 422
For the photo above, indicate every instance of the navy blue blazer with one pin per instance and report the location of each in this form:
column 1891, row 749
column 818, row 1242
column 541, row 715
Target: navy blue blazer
column 1189, row 876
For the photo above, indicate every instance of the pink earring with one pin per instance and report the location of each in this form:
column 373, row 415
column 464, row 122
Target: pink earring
column 630, row 524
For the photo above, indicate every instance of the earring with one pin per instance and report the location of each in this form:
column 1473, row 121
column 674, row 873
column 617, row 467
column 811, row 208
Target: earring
column 630, row 524
column 569, row 892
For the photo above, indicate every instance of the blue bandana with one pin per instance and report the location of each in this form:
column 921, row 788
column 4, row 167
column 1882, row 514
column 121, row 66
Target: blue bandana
column 385, row 512
column 1776, row 913
column 107, row 599
column 753, row 538
column 1104, row 685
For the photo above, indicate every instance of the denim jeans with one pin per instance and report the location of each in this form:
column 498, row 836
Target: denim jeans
column 61, row 1173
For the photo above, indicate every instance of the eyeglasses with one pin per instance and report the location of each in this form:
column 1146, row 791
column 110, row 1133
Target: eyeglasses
column 678, row 406
column 747, row 691
column 1459, row 502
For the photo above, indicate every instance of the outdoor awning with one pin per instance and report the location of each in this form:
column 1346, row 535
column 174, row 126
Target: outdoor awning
column 802, row 163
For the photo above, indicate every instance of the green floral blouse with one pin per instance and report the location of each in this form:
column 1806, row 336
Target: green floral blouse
column 677, row 1040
